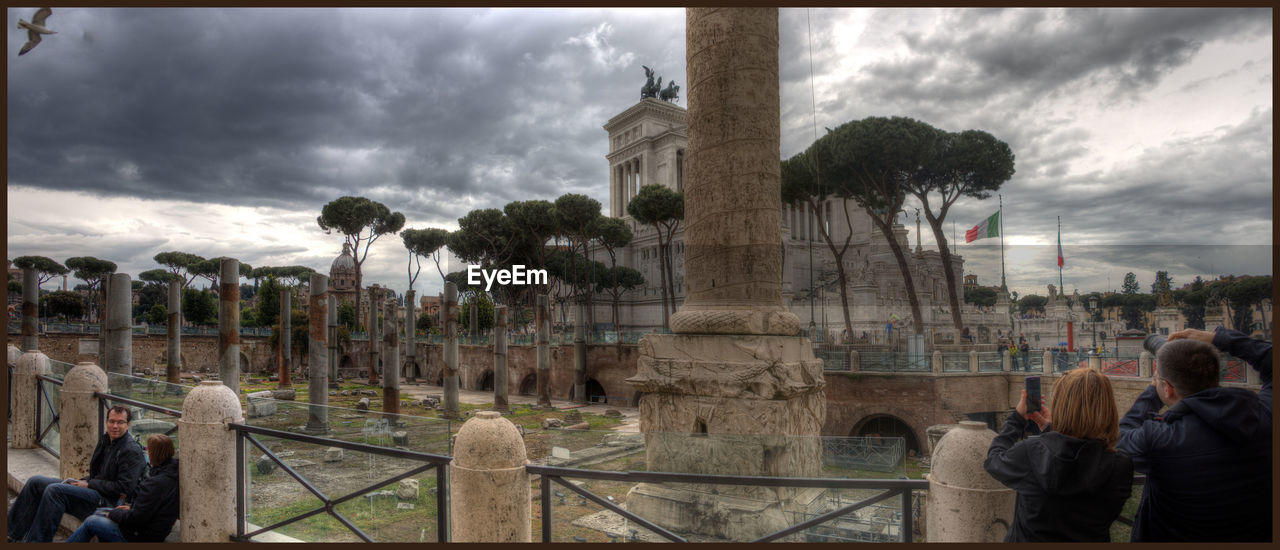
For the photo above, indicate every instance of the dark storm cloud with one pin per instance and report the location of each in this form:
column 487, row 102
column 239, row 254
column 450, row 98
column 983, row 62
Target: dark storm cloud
column 427, row 109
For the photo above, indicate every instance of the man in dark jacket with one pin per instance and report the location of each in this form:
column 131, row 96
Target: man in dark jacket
column 149, row 519
column 1208, row 457
column 113, row 472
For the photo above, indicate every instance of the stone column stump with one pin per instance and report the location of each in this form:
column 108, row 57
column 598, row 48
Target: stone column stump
column 207, row 479
column 965, row 504
column 79, row 421
column 488, row 483
column 26, row 399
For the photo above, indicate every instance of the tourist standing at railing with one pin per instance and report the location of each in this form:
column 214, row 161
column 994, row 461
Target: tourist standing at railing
column 114, row 470
column 1025, row 349
column 1071, row 481
column 1208, row 457
column 151, row 516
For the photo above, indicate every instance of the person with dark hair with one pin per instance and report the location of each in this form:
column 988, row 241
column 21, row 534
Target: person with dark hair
column 1208, row 457
column 151, row 516
column 1071, row 482
column 113, row 475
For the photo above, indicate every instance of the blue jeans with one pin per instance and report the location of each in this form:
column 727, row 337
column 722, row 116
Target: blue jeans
column 98, row 526
column 38, row 510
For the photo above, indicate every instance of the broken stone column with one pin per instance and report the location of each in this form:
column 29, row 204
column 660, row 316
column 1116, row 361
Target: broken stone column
column 391, row 354
column 332, row 334
column 372, row 328
column 286, row 338
column 318, row 356
column 542, row 324
column 735, row 370
column 30, row 309
column 173, row 370
column 410, row 338
column 450, row 313
column 119, row 350
column 488, row 483
column 966, row 503
column 78, row 423
column 580, row 356
column 207, row 480
column 500, row 389
column 25, row 398
column 228, row 324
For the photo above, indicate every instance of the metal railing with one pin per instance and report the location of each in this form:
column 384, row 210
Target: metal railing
column 43, row 398
column 245, row 434
column 892, row 487
column 877, row 361
column 990, row 361
column 879, row 454
column 955, row 362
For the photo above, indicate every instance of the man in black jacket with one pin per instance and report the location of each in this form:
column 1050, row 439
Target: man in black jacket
column 151, row 516
column 113, row 473
column 1208, row 457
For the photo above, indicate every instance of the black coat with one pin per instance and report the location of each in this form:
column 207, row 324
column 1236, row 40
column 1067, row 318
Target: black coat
column 116, row 467
column 1068, row 489
column 151, row 516
column 1207, row 459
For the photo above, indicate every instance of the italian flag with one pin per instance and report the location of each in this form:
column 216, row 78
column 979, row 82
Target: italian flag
column 989, row 227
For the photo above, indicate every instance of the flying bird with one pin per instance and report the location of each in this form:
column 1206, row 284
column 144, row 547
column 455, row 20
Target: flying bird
column 34, row 29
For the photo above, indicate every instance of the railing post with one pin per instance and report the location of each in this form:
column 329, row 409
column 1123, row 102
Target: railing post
column 937, row 361
column 207, row 480
column 973, row 361
column 1144, row 364
column 1047, row 367
column 26, row 398
column 78, row 430
column 1006, row 361
column 966, row 504
column 488, row 482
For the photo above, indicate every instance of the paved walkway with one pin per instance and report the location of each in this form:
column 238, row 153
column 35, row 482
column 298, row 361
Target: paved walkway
column 630, row 415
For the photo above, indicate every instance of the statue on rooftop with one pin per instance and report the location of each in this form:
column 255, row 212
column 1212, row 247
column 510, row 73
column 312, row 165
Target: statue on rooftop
column 670, row 93
column 650, row 89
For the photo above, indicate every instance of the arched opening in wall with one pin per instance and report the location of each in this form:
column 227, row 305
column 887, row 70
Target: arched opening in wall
column 888, row 426
column 244, row 364
column 486, row 381
column 345, row 365
column 595, row 392
column 529, row 386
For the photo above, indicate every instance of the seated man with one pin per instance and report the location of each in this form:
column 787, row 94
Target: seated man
column 113, row 472
column 1208, row 457
column 151, row 517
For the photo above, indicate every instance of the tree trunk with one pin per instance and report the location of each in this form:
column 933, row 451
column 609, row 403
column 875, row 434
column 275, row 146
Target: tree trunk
column 840, row 273
column 953, row 297
column 887, row 231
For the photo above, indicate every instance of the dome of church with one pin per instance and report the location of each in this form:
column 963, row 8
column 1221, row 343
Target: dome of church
column 342, row 273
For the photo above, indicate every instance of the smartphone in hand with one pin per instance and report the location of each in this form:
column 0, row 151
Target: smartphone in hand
column 1033, row 393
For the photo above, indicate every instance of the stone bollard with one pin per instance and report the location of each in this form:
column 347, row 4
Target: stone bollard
column 1006, row 361
column 937, row 362
column 966, row 503
column 973, row 361
column 1095, row 362
column 1145, row 364
column 26, row 399
column 488, row 483
column 14, row 355
column 855, row 361
column 79, row 420
column 1048, row 362
column 207, row 480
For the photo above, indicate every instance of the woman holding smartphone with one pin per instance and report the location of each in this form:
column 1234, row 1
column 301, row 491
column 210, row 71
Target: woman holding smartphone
column 1071, row 482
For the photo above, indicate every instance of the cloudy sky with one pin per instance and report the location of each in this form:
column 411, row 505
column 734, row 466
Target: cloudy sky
column 224, row 131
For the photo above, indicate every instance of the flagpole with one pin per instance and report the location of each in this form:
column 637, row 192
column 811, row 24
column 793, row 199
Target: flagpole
column 1003, row 286
column 1060, row 289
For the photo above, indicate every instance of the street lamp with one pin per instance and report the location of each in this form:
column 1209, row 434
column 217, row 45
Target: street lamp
column 1093, row 317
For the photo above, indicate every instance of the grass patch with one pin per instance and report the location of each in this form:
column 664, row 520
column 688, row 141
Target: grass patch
column 381, row 519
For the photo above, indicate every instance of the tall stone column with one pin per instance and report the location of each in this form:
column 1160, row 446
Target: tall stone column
column 542, row 322
column 30, row 309
column 449, row 311
column 332, row 333
column 119, row 329
column 735, row 369
column 78, row 424
column 207, row 480
column 580, row 356
column 318, row 355
column 228, row 324
column 285, row 341
column 173, row 370
column 391, row 355
column 500, row 389
column 105, row 297
column 410, row 338
column 373, row 335
column 26, row 398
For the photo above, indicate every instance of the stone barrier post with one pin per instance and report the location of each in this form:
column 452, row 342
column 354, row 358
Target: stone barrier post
column 207, row 480
column 410, row 338
column 372, row 328
column 26, row 399
column 543, row 323
column 1145, row 364
column 173, row 370
column 285, row 341
column 30, row 309
column 318, row 356
column 450, row 312
column 78, row 428
column 855, row 361
column 973, row 361
column 937, row 361
column 1048, row 362
column 580, row 356
column 391, row 354
column 1006, row 361
column 966, row 504
column 1095, row 362
column 228, row 324
column 500, row 389
column 488, row 483
column 14, row 355
column 119, row 350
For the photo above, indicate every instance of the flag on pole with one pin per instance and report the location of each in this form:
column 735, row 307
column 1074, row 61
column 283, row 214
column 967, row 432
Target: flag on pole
column 1059, row 247
column 989, row 227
